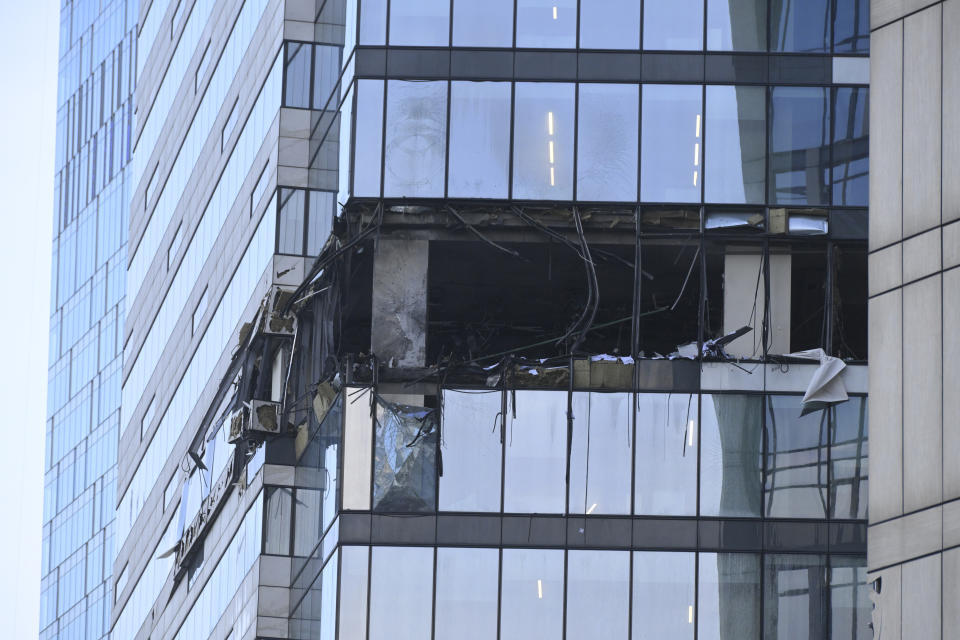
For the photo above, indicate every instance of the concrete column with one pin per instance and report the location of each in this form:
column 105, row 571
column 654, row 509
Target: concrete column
column 399, row 317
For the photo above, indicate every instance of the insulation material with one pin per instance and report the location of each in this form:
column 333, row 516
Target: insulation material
column 405, row 458
column 826, row 388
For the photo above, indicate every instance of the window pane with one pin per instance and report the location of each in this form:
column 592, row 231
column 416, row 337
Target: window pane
column 737, row 25
column 479, row 139
column 673, row 24
column 850, row 604
column 728, row 596
column 276, row 537
column 471, row 449
column 663, row 594
column 420, row 22
column 326, row 71
column 607, row 142
column 671, row 149
column 536, row 453
column 736, row 150
column 800, row 26
column 483, row 23
column 369, row 137
column 290, row 224
column 531, row 594
column 543, row 141
column 799, row 156
column 851, row 26
column 850, row 175
column 306, row 521
column 610, row 24
column 297, row 75
column 796, row 471
column 849, row 459
column 320, row 220
column 598, row 594
column 416, row 139
column 353, row 592
column 467, row 581
column 373, row 22
column 401, row 592
column 357, row 449
column 405, row 458
column 731, row 478
column 547, row 23
column 600, row 455
column 666, row 469
column 794, row 597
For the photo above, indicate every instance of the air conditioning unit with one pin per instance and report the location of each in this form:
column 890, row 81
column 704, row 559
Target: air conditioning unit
column 239, row 420
column 276, row 323
column 254, row 420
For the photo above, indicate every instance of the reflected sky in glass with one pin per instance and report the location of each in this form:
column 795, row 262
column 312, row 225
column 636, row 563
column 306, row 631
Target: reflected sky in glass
column 547, row 23
column 608, row 126
column 479, row 139
column 736, row 144
column 416, row 139
column 671, row 143
column 543, row 141
column 471, row 449
column 673, row 25
column 483, row 23
column 663, row 594
column 531, row 594
column 467, row 581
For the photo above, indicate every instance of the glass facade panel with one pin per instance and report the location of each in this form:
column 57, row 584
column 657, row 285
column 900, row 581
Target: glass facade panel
column 369, row 138
column 547, row 24
column 471, row 449
column 608, row 126
column 849, row 453
column 279, row 512
column 290, row 228
column 531, row 594
column 798, row 151
column 795, row 483
column 794, row 595
column 480, row 23
column 401, row 592
column 736, row 146
column 731, row 474
column 297, row 75
column 663, row 594
column 326, row 71
column 373, row 22
column 354, row 563
column 543, row 141
column 600, row 454
column 479, row 139
column 666, row 451
column 420, row 23
column 598, row 594
column 671, row 143
column 673, row 25
column 851, row 26
column 320, row 213
column 610, row 24
column 737, row 25
column 467, row 582
column 800, row 26
column 850, row 606
column 536, row 452
column 416, row 139
column 850, row 179
column 728, row 595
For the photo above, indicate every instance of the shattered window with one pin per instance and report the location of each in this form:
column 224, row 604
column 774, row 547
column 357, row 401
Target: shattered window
column 849, row 454
column 471, row 450
column 608, row 126
column 795, row 481
column 731, row 475
column 416, row 139
column 800, row 26
column 531, row 594
column 850, row 175
column 536, row 452
column 598, row 594
column 728, row 596
column 467, row 590
column 663, row 594
column 667, row 445
column 600, row 454
column 405, row 458
column 794, row 597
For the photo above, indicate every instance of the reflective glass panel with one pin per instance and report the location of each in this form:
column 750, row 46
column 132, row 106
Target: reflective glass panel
column 536, row 452
column 851, row 146
column 795, row 483
column 290, row 222
column 471, row 449
column 482, row 23
column 673, row 25
column 531, row 594
column 610, row 24
column 663, row 594
column 279, row 508
column 671, row 143
column 479, row 139
column 416, row 139
column 737, row 25
column 306, row 521
column 353, row 592
column 849, row 456
column 547, row 23
column 297, row 75
column 794, row 597
column 401, row 592
column 728, row 597
column 600, row 454
column 800, row 26
column 598, row 594
column 421, row 23
column 799, row 155
column 608, row 126
column 369, row 138
column 850, row 604
column 467, row 581
column 667, row 443
column 543, row 141
column 320, row 220
column 373, row 21
column 731, row 476
column 851, row 26
column 326, row 71
column 736, row 144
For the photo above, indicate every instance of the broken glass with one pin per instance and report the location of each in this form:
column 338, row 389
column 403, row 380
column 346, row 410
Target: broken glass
column 405, row 458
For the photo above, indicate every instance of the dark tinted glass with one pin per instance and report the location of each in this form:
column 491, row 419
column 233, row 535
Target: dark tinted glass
column 608, row 126
column 849, row 455
column 851, row 26
column 850, row 171
column 800, row 26
column 799, row 154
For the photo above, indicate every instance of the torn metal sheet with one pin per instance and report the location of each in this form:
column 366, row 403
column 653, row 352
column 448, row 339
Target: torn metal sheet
column 715, row 348
column 405, row 458
column 826, row 388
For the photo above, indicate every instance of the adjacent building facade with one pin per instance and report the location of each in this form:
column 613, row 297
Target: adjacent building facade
column 482, row 319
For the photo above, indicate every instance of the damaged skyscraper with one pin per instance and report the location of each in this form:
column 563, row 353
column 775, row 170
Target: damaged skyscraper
column 495, row 319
